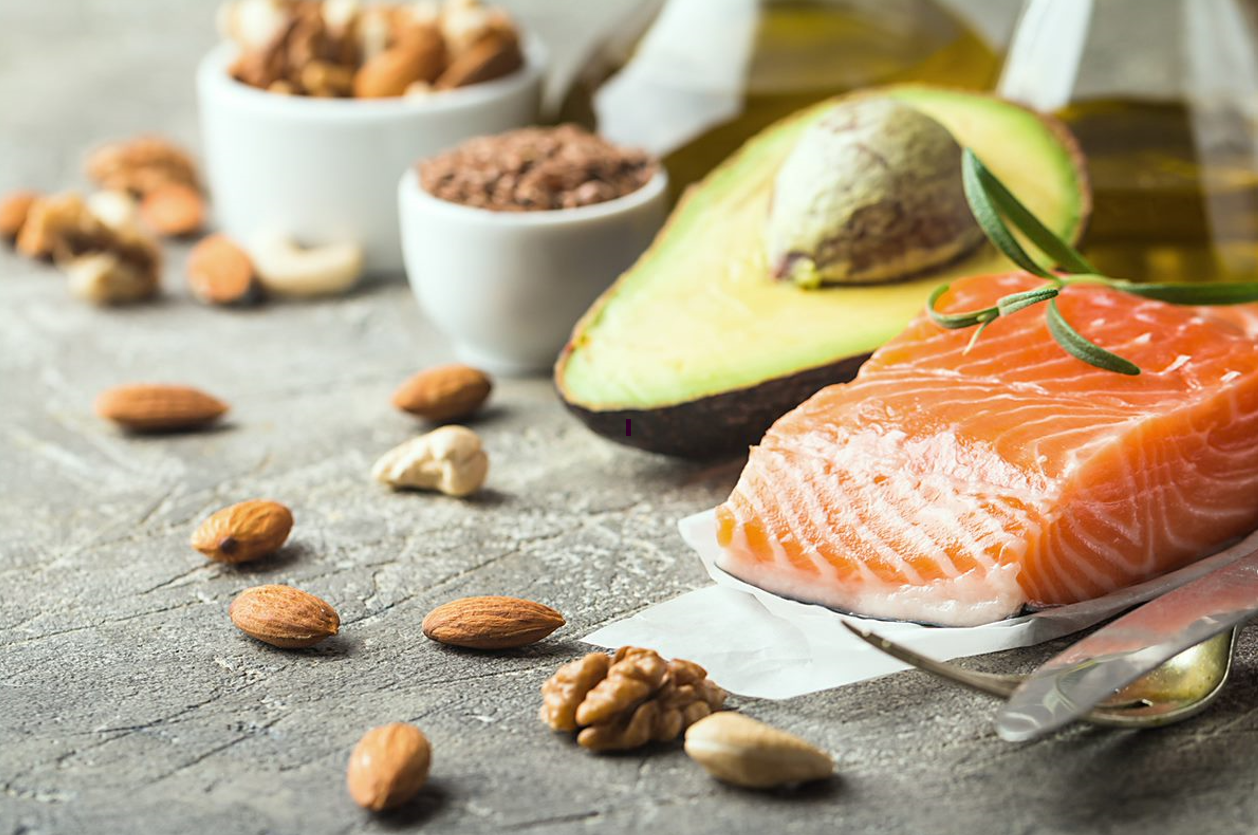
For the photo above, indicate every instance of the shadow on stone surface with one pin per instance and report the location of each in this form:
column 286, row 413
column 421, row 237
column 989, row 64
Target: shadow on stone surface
column 417, row 812
column 165, row 435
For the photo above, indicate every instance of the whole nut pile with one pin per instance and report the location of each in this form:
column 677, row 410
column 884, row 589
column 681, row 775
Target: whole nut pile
column 337, row 49
column 625, row 701
column 536, row 169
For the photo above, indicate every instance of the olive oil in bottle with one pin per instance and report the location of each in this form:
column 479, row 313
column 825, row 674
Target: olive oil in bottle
column 1163, row 97
column 1175, row 189
column 709, row 74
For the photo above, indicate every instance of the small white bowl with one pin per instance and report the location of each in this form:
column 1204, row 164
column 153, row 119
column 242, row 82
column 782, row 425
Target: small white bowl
column 507, row 287
column 324, row 170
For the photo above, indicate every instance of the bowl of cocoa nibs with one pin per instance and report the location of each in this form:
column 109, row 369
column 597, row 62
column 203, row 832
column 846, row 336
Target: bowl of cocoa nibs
column 310, row 108
column 509, row 238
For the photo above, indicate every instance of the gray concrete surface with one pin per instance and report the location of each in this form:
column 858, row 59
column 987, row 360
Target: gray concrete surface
column 128, row 702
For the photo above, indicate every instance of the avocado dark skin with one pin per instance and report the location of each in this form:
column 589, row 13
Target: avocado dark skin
column 718, row 426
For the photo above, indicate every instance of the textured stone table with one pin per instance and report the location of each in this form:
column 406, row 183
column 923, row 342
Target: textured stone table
column 128, row 702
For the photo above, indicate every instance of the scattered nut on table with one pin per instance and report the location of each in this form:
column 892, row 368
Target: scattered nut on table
column 289, row 270
column 13, row 210
column 104, row 278
column 116, row 209
column 450, row 459
column 220, row 272
column 283, row 616
column 106, row 264
column 388, row 766
column 445, row 392
column 158, row 407
column 173, row 210
column 743, row 751
column 491, row 622
column 141, row 165
column 629, row 700
column 244, row 531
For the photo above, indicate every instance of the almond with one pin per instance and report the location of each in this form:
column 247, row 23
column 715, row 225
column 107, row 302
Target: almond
column 491, row 622
column 244, row 531
column 173, row 210
column 495, row 55
column 446, row 392
column 13, row 210
column 389, row 766
column 220, row 272
column 156, row 407
column 743, row 751
column 283, row 616
column 418, row 55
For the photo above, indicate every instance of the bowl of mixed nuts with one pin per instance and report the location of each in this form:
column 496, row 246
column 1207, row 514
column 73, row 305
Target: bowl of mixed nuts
column 311, row 108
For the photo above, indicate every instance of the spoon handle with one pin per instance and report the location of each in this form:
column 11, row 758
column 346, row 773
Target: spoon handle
column 1072, row 683
column 990, row 683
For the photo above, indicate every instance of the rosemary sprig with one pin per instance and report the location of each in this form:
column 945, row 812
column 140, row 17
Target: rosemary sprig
column 995, row 208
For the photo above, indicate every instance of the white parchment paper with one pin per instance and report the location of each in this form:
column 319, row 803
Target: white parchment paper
column 758, row 644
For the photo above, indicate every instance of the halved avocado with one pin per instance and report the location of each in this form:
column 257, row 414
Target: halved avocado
column 697, row 349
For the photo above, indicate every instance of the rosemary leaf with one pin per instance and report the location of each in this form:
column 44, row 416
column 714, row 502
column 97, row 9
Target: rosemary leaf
column 988, row 217
column 1204, row 294
column 969, row 346
column 953, row 321
column 1063, row 254
column 1079, row 346
column 1016, row 301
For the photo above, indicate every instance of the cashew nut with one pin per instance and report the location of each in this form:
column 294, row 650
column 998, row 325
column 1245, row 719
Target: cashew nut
column 251, row 23
column 340, row 14
column 374, row 30
column 288, row 270
column 103, row 278
column 449, row 459
column 116, row 209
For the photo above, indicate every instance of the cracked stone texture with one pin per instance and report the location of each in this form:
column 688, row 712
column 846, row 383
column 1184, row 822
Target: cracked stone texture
column 129, row 703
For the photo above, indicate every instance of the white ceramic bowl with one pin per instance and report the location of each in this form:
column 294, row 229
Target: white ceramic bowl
column 325, row 170
column 507, row 287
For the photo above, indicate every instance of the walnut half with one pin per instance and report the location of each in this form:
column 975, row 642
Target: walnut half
column 629, row 700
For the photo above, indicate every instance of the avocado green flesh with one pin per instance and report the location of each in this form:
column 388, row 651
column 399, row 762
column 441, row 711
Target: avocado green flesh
column 699, row 314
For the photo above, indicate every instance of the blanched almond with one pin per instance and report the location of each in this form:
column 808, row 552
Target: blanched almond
column 743, row 751
column 389, row 766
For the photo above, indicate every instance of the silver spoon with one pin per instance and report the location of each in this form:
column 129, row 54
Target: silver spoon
column 1180, row 688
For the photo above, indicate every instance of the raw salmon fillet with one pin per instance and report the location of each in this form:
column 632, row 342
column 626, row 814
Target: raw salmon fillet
column 957, row 488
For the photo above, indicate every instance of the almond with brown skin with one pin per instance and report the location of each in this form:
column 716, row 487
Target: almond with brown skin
column 221, row 272
column 283, row 616
column 491, row 622
column 155, row 407
column 13, row 210
column 389, row 766
column 173, row 210
column 244, row 532
column 418, row 56
column 446, row 392
column 495, row 55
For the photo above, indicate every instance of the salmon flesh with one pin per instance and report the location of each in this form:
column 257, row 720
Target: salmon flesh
column 958, row 488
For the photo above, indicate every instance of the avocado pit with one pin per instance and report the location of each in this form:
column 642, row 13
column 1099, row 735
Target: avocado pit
column 871, row 193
